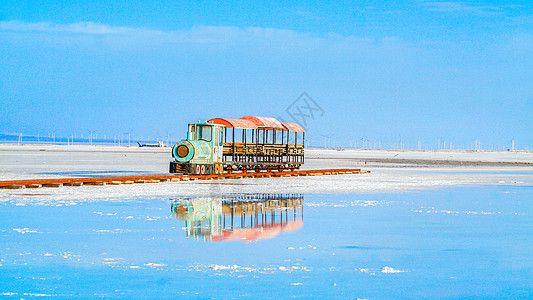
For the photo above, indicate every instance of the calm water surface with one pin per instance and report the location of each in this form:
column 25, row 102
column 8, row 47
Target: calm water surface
column 463, row 242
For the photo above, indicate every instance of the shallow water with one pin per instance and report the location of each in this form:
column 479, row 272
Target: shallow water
column 463, row 242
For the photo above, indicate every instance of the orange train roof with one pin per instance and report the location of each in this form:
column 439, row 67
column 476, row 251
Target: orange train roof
column 259, row 233
column 293, row 127
column 265, row 122
column 252, row 122
column 237, row 123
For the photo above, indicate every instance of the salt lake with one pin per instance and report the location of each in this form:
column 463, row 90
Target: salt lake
column 470, row 241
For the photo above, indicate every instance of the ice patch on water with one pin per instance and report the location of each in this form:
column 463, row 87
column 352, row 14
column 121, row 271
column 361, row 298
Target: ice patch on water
column 252, row 269
column 117, row 230
column 25, row 230
column 39, row 295
column 433, row 211
column 390, row 270
column 69, row 255
column 111, row 261
column 223, row 267
column 301, row 248
column 387, row 270
column 362, row 203
column 155, row 265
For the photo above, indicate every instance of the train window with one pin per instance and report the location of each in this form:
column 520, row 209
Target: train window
column 220, row 138
column 260, row 136
column 301, row 139
column 204, row 133
column 237, row 134
column 291, row 137
column 228, row 135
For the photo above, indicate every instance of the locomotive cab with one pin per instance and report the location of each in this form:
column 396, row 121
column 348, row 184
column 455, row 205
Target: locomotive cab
column 201, row 152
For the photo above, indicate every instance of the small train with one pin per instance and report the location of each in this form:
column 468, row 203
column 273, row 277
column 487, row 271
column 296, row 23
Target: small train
column 246, row 144
column 240, row 217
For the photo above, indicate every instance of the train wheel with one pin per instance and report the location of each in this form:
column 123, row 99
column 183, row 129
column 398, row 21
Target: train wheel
column 203, row 169
column 198, row 169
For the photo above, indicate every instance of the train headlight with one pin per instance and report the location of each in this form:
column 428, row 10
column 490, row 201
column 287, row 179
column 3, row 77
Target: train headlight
column 182, row 151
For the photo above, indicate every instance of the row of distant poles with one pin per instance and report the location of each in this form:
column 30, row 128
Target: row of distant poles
column 329, row 142
column 364, row 143
column 124, row 139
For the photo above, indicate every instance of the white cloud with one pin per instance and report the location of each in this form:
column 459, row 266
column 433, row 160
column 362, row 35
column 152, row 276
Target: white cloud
column 231, row 37
column 462, row 7
column 81, row 27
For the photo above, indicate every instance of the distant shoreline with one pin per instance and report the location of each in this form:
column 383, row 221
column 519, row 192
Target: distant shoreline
column 437, row 162
column 132, row 145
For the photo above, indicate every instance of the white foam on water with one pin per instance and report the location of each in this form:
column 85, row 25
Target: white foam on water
column 25, row 230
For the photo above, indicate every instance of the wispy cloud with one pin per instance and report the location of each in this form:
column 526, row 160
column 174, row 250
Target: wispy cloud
column 231, row 37
column 462, row 7
column 522, row 20
column 81, row 27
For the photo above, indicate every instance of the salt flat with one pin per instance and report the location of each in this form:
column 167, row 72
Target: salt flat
column 390, row 171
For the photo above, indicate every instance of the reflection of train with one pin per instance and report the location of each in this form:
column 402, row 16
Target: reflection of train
column 248, row 143
column 240, row 217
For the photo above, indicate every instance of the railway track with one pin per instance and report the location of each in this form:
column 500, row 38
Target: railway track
column 99, row 181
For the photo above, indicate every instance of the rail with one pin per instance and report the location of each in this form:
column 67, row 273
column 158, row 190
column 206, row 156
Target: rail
column 59, row 182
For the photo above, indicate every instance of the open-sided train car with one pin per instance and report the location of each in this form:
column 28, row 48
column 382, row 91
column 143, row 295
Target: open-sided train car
column 248, row 143
column 240, row 217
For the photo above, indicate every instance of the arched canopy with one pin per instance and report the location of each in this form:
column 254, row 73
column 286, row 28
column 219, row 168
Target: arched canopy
column 292, row 127
column 252, row 122
column 252, row 234
column 265, row 122
column 236, row 123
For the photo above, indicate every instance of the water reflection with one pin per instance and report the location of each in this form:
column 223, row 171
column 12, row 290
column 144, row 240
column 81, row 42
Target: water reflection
column 240, row 217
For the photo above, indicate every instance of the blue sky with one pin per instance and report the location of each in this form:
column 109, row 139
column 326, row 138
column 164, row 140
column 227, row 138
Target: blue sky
column 382, row 71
